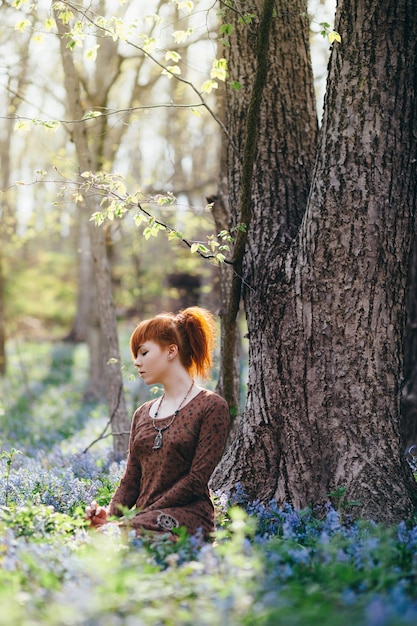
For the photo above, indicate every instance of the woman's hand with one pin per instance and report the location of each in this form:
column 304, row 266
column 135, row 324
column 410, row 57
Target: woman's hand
column 96, row 515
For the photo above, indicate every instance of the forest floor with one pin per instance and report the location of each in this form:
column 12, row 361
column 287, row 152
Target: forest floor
column 267, row 566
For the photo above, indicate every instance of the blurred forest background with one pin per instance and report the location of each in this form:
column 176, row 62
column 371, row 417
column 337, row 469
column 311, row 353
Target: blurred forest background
column 156, row 134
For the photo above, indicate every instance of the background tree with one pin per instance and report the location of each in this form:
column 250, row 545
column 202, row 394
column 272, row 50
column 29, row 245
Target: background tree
column 326, row 320
column 91, row 97
column 95, row 148
column 15, row 80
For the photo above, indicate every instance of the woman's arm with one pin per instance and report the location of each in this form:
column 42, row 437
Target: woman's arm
column 127, row 492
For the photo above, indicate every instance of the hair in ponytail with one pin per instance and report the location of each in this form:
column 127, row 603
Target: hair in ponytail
column 193, row 330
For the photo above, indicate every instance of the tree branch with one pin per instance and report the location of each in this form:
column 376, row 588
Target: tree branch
column 103, row 434
column 161, row 65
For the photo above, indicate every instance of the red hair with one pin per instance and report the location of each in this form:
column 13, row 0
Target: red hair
column 193, row 330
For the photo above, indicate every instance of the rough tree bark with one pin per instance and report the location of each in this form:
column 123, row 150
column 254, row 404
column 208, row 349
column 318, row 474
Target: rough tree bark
column 270, row 57
column 286, row 143
column 326, row 321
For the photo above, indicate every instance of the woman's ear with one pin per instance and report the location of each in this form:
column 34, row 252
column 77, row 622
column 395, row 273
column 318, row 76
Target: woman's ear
column 172, row 351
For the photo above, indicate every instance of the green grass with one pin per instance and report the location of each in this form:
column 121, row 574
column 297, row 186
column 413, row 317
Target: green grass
column 41, row 294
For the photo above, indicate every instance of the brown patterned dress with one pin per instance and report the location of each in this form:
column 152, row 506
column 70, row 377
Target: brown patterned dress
column 169, row 486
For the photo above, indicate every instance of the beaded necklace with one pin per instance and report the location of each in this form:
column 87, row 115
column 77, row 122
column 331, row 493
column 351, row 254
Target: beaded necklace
column 158, row 437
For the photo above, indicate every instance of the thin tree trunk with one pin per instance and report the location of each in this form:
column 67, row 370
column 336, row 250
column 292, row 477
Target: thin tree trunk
column 108, row 324
column 228, row 383
column 79, row 329
column 2, row 320
column 16, row 86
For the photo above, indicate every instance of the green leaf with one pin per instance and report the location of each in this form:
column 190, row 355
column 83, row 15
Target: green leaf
column 219, row 69
column 165, row 200
column 170, row 70
column 149, row 44
column 50, row 124
column 22, row 126
column 92, row 114
column 334, row 36
column 186, row 4
column 247, row 19
column 49, row 24
column 139, row 219
column 208, row 86
column 171, row 55
column 22, row 25
column 65, row 16
column 91, row 53
column 174, row 234
column 98, row 217
column 226, row 29
column 236, row 85
column 182, row 35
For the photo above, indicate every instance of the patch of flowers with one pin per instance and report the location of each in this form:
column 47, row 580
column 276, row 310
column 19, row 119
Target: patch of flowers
column 268, row 565
column 63, row 483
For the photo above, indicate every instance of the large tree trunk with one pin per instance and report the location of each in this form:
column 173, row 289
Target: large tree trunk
column 286, row 143
column 284, row 140
column 326, row 323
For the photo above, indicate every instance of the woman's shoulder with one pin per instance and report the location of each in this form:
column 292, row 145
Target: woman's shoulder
column 143, row 409
column 212, row 399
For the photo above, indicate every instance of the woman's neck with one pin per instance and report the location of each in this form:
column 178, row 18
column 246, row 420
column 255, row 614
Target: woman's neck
column 181, row 392
column 176, row 387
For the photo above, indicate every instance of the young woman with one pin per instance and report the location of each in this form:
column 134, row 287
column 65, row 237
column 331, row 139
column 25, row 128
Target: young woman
column 176, row 440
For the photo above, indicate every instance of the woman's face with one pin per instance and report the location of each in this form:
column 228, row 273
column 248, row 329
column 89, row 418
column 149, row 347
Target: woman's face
column 152, row 361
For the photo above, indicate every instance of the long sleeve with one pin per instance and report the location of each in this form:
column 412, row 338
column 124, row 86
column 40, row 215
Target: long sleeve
column 128, row 490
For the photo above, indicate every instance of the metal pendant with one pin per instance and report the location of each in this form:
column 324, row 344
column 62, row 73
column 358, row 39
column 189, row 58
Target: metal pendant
column 157, row 441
